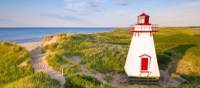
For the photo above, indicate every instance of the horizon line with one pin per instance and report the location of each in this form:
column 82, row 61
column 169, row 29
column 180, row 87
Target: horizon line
column 84, row 27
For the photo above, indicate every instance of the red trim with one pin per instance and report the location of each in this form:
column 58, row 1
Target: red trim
column 141, row 56
column 143, row 24
column 154, row 28
column 144, row 55
column 143, row 31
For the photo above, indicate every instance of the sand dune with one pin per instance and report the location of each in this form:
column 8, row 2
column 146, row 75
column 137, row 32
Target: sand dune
column 30, row 45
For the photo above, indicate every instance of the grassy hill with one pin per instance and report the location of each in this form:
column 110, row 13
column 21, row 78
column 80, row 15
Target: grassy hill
column 97, row 60
column 37, row 80
column 16, row 69
column 102, row 56
column 14, row 63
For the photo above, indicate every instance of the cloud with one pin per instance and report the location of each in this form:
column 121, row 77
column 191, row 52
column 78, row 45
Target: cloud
column 63, row 17
column 87, row 11
column 93, row 6
column 78, row 7
column 77, row 13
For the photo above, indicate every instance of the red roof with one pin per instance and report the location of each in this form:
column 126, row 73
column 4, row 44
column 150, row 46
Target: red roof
column 144, row 14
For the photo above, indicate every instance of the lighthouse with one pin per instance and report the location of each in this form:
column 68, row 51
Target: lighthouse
column 141, row 61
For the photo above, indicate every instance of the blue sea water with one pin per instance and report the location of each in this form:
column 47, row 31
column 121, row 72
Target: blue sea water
column 22, row 35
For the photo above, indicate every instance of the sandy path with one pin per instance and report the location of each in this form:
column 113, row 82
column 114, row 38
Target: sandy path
column 117, row 79
column 40, row 65
column 167, row 79
column 30, row 45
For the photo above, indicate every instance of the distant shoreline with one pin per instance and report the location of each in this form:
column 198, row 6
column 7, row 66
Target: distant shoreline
column 23, row 35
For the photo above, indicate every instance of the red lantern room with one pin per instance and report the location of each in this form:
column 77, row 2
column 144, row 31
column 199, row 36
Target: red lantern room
column 143, row 19
column 143, row 25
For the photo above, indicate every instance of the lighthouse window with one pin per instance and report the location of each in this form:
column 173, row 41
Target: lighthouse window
column 141, row 19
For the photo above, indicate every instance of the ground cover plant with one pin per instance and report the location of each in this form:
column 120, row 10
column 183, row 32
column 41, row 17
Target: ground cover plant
column 16, row 69
column 177, row 51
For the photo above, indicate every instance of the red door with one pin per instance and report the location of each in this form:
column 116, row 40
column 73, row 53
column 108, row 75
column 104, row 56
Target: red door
column 144, row 64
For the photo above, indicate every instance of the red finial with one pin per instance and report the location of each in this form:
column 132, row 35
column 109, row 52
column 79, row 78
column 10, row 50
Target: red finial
column 144, row 14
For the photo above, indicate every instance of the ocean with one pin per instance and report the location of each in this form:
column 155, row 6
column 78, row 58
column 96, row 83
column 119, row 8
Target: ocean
column 22, row 35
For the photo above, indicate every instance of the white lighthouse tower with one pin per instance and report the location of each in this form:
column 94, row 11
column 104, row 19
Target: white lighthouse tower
column 141, row 61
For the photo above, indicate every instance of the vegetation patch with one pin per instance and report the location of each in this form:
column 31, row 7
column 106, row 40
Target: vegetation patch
column 37, row 80
column 106, row 52
column 16, row 69
column 11, row 56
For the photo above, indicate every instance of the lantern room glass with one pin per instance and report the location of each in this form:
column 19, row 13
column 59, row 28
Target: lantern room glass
column 141, row 20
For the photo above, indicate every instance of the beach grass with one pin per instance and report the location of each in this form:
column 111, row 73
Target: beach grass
column 16, row 69
column 106, row 52
column 178, row 51
column 11, row 57
column 37, row 80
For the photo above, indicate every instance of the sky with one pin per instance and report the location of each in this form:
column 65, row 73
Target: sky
column 97, row 13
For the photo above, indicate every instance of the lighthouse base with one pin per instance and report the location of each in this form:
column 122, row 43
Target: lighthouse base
column 144, row 80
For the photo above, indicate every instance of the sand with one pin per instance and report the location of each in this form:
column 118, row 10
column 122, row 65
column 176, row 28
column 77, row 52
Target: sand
column 39, row 64
column 30, row 45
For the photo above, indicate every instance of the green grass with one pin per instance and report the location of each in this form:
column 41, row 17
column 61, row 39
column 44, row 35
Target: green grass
column 106, row 52
column 181, row 45
column 38, row 80
column 83, row 82
column 16, row 69
column 11, row 56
